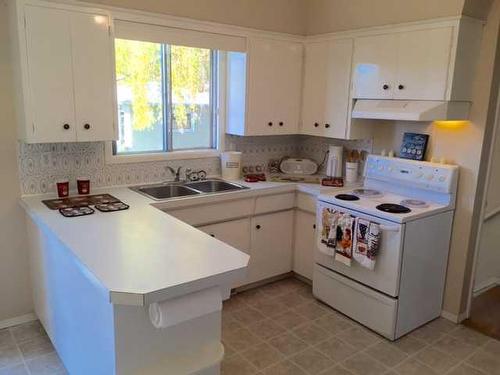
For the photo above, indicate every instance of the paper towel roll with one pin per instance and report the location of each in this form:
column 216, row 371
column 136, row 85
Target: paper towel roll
column 181, row 309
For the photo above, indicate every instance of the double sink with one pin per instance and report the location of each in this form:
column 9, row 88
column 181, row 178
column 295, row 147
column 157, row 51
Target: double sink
column 182, row 189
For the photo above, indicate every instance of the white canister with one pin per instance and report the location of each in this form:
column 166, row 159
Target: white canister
column 231, row 165
column 351, row 172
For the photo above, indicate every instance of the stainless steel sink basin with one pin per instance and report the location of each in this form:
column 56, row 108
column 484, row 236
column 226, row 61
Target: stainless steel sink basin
column 183, row 189
column 214, row 186
column 166, row 191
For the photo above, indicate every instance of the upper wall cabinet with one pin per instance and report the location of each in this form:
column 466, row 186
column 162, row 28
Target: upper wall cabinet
column 431, row 63
column 327, row 79
column 65, row 75
column 273, row 87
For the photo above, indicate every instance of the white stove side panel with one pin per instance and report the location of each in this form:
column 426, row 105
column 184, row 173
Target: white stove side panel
column 423, row 273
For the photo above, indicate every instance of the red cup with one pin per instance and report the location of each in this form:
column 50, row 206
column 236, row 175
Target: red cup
column 62, row 188
column 83, row 184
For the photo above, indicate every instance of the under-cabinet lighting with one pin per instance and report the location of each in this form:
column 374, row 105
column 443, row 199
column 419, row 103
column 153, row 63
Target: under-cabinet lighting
column 101, row 20
column 453, row 124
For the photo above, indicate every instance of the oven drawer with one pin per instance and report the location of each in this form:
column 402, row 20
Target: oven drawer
column 372, row 309
column 385, row 276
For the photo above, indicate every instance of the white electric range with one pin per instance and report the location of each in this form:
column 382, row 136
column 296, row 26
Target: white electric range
column 413, row 204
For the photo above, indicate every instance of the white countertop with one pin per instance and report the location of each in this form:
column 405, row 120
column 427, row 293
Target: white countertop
column 142, row 255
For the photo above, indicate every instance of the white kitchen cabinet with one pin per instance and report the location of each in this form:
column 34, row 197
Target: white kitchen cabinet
column 66, row 84
column 272, row 245
column 235, row 233
column 304, row 243
column 327, row 79
column 273, row 87
column 403, row 65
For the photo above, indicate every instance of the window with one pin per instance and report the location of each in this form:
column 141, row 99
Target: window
column 167, row 97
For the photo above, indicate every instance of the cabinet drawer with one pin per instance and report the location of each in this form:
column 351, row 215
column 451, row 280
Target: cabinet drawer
column 277, row 202
column 373, row 309
column 210, row 213
column 306, row 202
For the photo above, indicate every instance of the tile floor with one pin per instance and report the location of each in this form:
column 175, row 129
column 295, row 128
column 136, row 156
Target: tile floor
column 281, row 329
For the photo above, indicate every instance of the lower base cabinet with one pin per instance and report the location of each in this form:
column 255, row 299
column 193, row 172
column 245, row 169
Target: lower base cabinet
column 272, row 245
column 304, row 243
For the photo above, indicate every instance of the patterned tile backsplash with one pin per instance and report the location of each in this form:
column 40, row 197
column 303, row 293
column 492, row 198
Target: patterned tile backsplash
column 40, row 165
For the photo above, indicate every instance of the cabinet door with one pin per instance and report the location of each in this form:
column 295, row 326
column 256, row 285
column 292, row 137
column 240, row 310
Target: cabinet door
column 315, row 88
column 274, row 87
column 423, row 64
column 52, row 102
column 235, row 233
column 338, row 80
column 271, row 252
column 93, row 77
column 374, row 66
column 305, row 230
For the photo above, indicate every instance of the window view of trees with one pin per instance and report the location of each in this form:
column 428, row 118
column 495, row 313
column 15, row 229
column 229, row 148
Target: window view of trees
column 154, row 79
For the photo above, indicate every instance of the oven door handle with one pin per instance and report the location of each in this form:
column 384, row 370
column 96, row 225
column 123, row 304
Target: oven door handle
column 387, row 228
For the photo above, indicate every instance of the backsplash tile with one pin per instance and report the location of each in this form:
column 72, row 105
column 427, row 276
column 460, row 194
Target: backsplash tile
column 40, row 165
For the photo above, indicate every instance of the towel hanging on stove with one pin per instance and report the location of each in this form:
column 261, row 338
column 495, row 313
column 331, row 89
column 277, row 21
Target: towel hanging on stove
column 345, row 232
column 366, row 244
column 328, row 237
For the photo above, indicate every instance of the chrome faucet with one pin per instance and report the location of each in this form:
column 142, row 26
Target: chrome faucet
column 177, row 173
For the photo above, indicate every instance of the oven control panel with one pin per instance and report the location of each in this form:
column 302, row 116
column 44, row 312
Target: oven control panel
column 419, row 174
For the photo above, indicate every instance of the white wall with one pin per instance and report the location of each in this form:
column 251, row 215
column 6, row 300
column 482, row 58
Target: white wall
column 15, row 291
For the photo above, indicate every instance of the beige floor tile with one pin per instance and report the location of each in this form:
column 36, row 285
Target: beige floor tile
column 291, row 299
column 270, row 307
column 454, row 347
column 241, row 339
column 336, row 370
column 310, row 333
column 362, row 364
column 284, row 368
column 266, row 329
column 358, row 337
column 312, row 361
column 9, row 356
column 436, row 360
column 237, row 365
column 230, row 325
column 427, row 334
column 492, row 347
column 409, row 345
column 287, row 344
column 48, row 364
column 442, row 325
column 312, row 310
column 485, row 362
column 276, row 289
column 262, row 356
column 36, row 347
column 464, row 369
column 414, row 367
column 253, row 296
column 336, row 349
column 289, row 319
column 386, row 353
column 27, row 331
column 14, row 370
column 234, row 303
column 334, row 323
column 469, row 336
column 248, row 316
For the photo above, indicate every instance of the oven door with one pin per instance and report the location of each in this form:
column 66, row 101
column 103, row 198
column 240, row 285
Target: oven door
column 385, row 276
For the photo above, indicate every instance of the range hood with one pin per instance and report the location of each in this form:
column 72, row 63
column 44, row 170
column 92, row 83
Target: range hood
column 410, row 110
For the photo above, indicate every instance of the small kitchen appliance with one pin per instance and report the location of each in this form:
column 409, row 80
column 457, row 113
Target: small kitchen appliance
column 334, row 164
column 410, row 204
column 294, row 166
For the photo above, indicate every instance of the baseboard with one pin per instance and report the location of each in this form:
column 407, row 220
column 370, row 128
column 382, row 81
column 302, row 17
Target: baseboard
column 485, row 286
column 17, row 320
column 453, row 317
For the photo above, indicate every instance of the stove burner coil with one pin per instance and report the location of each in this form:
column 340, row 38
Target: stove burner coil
column 347, row 197
column 393, row 208
column 417, row 203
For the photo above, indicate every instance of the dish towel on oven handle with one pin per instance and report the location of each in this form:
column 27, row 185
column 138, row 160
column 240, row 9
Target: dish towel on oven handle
column 345, row 236
column 328, row 237
column 366, row 244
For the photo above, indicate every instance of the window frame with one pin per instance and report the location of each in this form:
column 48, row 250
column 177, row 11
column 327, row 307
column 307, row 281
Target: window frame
column 217, row 92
